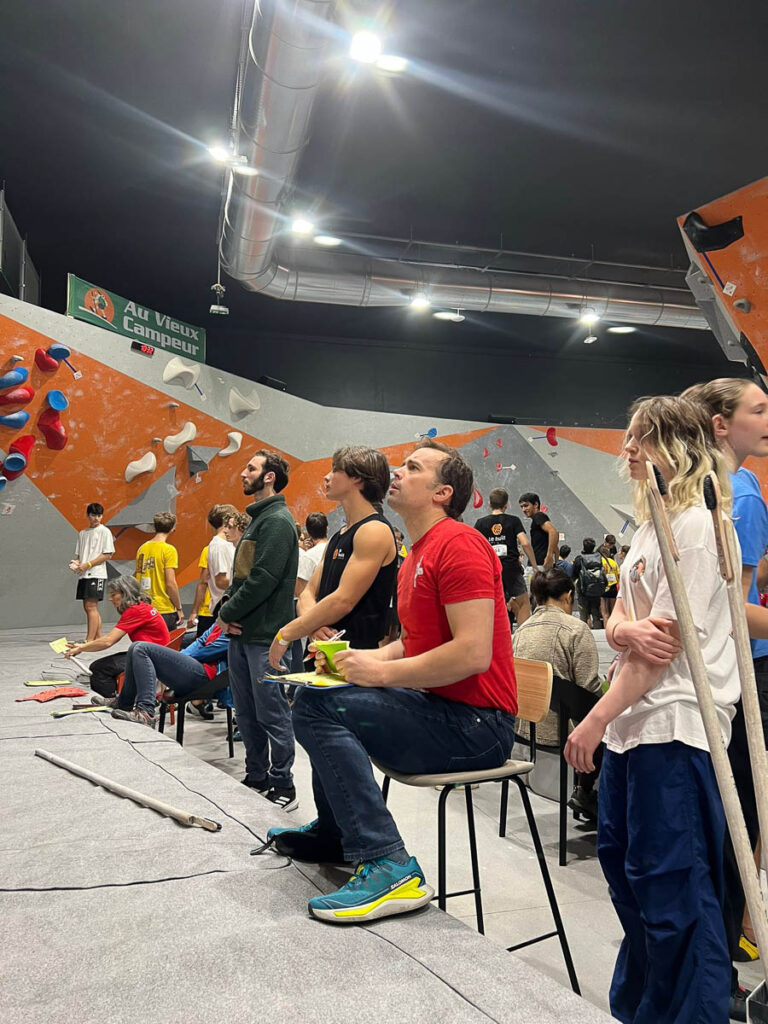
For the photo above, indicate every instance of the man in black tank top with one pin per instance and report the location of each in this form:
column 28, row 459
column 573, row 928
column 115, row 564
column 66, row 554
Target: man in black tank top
column 352, row 587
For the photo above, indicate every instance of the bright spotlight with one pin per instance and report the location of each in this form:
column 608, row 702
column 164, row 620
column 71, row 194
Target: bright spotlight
column 220, row 153
column 365, row 47
column 327, row 240
column 302, row 226
column 589, row 317
column 590, row 340
column 622, row 330
column 392, row 64
column 420, row 301
column 245, row 170
column 447, row 314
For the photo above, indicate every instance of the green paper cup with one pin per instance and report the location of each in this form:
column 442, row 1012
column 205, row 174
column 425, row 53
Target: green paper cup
column 329, row 648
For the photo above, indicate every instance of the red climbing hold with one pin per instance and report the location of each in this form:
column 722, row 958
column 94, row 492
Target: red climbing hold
column 551, row 436
column 52, row 429
column 21, row 448
column 45, row 362
column 18, row 396
column 499, row 442
column 486, row 453
column 477, row 499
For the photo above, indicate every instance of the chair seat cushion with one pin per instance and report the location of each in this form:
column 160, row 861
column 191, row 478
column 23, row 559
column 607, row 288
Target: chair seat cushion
column 504, row 771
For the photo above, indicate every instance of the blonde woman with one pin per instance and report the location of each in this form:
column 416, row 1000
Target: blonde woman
column 660, row 822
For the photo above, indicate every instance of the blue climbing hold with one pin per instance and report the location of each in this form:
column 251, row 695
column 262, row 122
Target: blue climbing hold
column 13, row 378
column 14, row 419
column 3, row 482
column 15, row 462
column 57, row 400
column 59, row 351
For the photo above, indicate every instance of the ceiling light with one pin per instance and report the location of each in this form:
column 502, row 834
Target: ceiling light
column 220, row 153
column 590, row 340
column 328, row 240
column 244, row 169
column 365, row 47
column 622, row 330
column 392, row 64
column 302, row 226
column 447, row 314
column 589, row 317
column 420, row 301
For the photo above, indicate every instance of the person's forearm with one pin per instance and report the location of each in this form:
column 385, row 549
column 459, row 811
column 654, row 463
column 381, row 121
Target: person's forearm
column 528, row 551
column 322, row 613
column 441, row 666
column 200, row 590
column 94, row 645
column 173, row 593
column 757, row 621
column 554, row 538
column 98, row 560
column 307, row 600
column 634, row 680
column 617, row 617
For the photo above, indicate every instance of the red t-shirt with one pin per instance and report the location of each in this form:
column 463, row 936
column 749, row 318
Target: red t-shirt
column 143, row 622
column 451, row 563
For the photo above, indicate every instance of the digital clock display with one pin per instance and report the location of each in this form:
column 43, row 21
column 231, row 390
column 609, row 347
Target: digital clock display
column 146, row 350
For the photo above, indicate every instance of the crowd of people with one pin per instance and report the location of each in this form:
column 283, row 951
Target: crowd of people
column 431, row 659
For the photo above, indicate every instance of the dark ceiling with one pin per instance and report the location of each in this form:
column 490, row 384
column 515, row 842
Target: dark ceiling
column 564, row 126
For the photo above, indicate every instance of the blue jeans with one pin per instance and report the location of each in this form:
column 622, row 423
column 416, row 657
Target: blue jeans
column 146, row 663
column 405, row 730
column 263, row 716
column 660, row 836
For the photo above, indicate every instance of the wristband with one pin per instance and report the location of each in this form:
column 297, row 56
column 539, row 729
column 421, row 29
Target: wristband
column 90, row 565
column 283, row 643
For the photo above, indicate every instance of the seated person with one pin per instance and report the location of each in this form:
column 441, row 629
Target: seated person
column 555, row 635
column 137, row 618
column 442, row 698
column 181, row 672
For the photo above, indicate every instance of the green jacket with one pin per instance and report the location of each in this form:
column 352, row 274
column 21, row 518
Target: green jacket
column 260, row 596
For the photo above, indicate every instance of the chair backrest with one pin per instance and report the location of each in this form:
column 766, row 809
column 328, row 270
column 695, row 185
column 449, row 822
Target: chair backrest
column 175, row 642
column 534, row 688
column 576, row 702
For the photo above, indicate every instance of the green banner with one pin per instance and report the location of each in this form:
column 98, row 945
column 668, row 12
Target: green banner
column 97, row 306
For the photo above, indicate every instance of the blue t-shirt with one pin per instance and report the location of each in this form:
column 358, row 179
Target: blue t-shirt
column 750, row 517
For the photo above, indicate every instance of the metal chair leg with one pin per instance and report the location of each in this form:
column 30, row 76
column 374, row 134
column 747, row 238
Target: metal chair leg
column 385, row 788
column 503, row 809
column 182, row 707
column 548, row 886
column 473, row 857
column 441, row 883
column 230, row 733
column 161, row 723
column 562, row 851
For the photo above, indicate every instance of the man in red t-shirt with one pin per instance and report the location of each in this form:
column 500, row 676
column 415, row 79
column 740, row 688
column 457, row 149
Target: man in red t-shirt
column 441, row 699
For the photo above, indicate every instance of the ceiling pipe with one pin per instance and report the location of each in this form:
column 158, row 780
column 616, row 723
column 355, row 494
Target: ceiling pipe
column 286, row 47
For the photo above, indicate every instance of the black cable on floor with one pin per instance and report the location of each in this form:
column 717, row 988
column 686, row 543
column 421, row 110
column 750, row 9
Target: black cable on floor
column 116, row 885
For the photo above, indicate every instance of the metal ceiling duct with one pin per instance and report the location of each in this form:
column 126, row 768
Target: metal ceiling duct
column 277, row 85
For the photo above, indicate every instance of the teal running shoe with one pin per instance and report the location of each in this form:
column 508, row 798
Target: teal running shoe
column 302, row 830
column 307, row 844
column 379, row 888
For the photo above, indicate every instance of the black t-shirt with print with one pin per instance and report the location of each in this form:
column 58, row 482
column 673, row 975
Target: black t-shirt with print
column 539, row 536
column 501, row 532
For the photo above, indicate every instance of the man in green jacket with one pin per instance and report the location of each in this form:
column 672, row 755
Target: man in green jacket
column 258, row 601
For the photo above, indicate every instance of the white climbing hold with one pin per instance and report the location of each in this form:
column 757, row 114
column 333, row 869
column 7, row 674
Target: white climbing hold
column 173, row 442
column 179, row 372
column 241, row 405
column 146, row 464
column 235, row 441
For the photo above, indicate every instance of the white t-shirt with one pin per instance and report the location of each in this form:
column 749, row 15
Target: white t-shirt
column 309, row 560
column 670, row 711
column 221, row 557
column 95, row 541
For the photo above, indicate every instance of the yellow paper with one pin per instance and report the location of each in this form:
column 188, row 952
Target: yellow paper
column 59, row 646
column 311, row 679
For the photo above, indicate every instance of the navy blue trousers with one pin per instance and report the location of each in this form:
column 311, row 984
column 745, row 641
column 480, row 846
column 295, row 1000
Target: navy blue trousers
column 660, row 837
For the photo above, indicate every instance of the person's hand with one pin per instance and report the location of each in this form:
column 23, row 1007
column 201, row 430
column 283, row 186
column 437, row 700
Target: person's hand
column 324, row 633
column 192, row 620
column 180, row 620
column 233, row 628
column 582, row 744
column 549, row 562
column 650, row 638
column 359, row 667
column 277, row 652
column 72, row 649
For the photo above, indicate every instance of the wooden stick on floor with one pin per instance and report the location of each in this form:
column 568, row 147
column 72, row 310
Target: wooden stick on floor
column 689, row 637
column 131, row 794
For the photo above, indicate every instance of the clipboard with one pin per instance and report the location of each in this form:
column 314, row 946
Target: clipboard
column 311, row 680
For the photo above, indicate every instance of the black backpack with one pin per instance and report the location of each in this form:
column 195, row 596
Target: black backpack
column 592, row 581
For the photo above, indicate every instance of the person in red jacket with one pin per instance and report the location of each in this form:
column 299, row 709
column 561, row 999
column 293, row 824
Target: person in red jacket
column 442, row 698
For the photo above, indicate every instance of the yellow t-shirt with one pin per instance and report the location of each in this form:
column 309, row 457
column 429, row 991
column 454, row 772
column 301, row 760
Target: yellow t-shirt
column 205, row 607
column 152, row 559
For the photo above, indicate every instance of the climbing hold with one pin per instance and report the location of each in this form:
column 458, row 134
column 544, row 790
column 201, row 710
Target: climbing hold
column 173, row 442
column 22, row 446
column 57, row 400
column 18, row 396
column 477, row 499
column 235, row 441
column 551, row 436
column 199, row 458
column 52, row 429
column 486, row 453
column 146, row 464
column 3, row 481
column 16, row 359
column 45, row 362
column 13, row 378
column 432, row 432
column 179, row 372
column 14, row 419
column 240, row 405
column 18, row 456
column 59, row 352
column 499, row 442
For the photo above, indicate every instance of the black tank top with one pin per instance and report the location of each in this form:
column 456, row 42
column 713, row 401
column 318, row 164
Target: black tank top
column 366, row 624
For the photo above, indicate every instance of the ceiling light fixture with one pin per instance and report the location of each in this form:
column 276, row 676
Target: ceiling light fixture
column 245, row 170
column 589, row 317
column 446, row 314
column 365, row 47
column 622, row 330
column 590, row 340
column 420, row 301
column 327, row 240
column 302, row 226
column 392, row 64
column 220, row 153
